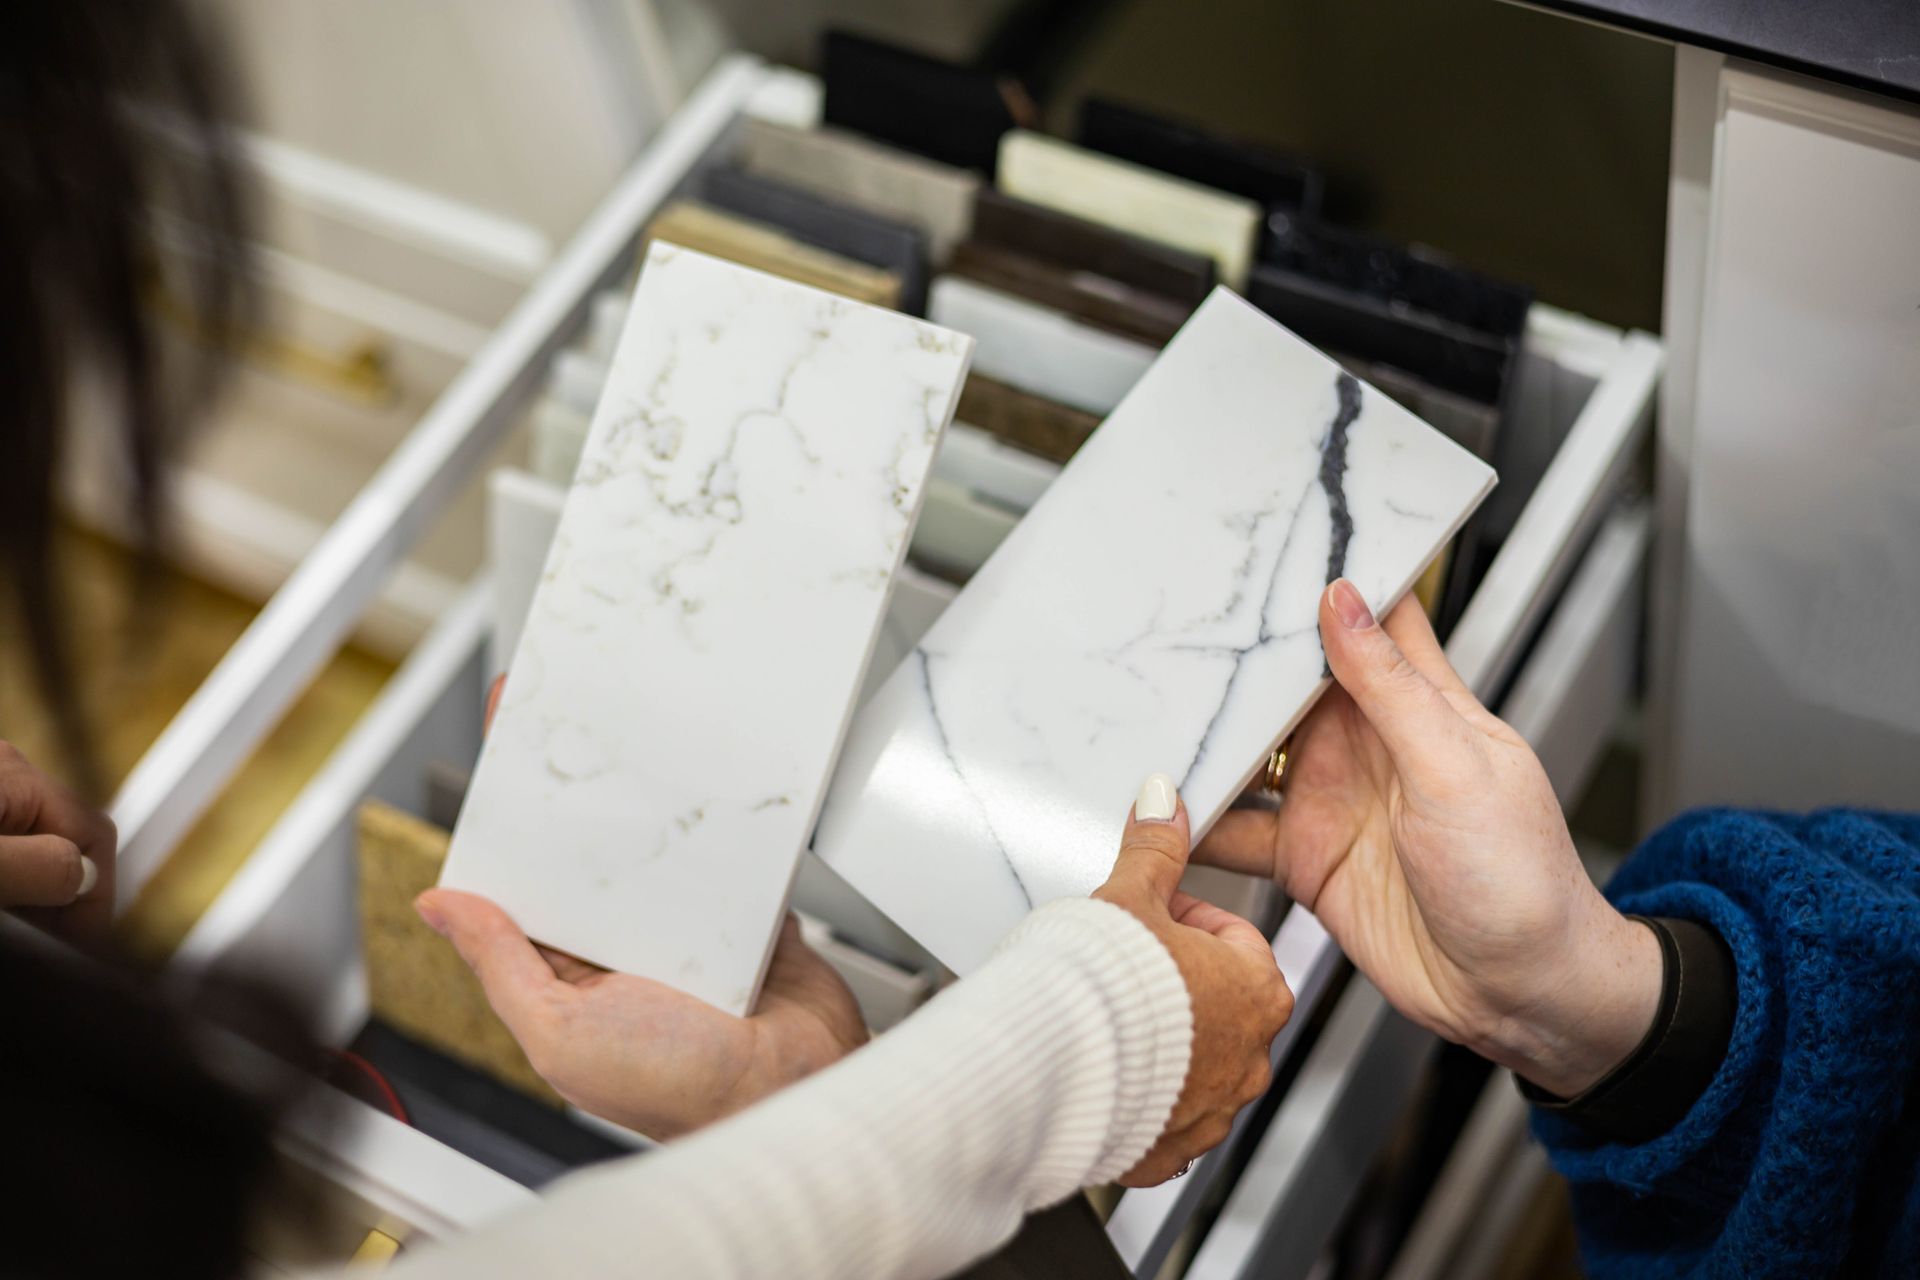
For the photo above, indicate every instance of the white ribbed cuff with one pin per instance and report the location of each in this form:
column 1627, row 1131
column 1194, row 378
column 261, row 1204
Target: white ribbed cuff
column 1148, row 1014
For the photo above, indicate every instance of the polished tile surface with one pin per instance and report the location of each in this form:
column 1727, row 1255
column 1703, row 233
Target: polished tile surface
column 703, row 622
column 1154, row 611
column 1132, row 198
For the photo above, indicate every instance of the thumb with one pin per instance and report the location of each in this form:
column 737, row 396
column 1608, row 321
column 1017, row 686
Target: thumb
column 1154, row 848
column 517, row 981
column 1419, row 726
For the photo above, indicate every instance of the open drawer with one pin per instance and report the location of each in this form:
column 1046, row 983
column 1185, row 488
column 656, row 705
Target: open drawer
column 1584, row 393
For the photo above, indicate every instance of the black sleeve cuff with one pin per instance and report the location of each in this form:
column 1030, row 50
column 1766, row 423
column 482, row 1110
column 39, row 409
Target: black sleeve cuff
column 1665, row 1075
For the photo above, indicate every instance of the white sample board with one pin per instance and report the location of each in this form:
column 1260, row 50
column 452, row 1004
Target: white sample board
column 1155, row 611
column 703, row 622
column 1038, row 349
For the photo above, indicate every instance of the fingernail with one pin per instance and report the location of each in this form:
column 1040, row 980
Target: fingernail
column 1353, row 611
column 89, row 876
column 434, row 920
column 1158, row 799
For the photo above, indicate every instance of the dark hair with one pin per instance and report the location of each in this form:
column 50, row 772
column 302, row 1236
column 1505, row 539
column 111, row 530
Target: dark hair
column 128, row 1154
column 111, row 111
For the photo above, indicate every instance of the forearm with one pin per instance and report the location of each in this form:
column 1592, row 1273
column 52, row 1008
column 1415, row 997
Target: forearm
column 1783, row 1165
column 1053, row 1067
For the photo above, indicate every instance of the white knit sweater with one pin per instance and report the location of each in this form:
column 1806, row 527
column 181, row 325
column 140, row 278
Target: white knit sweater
column 1053, row 1067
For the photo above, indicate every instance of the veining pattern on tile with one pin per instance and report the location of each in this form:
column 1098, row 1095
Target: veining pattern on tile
column 703, row 621
column 1156, row 610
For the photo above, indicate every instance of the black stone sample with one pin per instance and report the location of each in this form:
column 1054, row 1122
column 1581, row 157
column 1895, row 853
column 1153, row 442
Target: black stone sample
column 948, row 113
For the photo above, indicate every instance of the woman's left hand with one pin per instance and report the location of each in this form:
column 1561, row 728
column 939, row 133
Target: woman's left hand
column 56, row 853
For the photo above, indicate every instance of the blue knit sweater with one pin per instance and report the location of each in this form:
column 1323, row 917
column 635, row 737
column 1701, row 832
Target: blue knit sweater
column 1800, row 1157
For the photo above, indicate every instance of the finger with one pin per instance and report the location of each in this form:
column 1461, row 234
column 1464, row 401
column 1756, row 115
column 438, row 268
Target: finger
column 1154, row 847
column 1198, row 913
column 1420, row 728
column 1407, row 623
column 31, row 803
column 494, row 691
column 517, row 981
column 1242, row 840
column 44, row 871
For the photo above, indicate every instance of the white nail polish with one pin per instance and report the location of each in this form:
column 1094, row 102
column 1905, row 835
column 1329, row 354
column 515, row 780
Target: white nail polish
column 1158, row 799
column 89, row 876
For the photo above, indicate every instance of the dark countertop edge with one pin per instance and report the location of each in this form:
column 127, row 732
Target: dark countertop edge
column 1603, row 15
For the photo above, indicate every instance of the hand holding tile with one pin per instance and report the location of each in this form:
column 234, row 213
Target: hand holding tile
column 638, row 1052
column 1239, row 999
column 1424, row 834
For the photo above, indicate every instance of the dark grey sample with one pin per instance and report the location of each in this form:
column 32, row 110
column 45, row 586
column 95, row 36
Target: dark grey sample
column 1098, row 300
column 1871, row 44
column 1411, row 277
column 1272, row 179
column 945, row 112
column 1449, row 356
column 1470, row 425
column 837, row 228
column 1452, row 328
column 1078, row 245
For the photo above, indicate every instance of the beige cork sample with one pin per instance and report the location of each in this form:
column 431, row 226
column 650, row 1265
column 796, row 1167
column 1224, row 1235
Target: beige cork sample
column 416, row 980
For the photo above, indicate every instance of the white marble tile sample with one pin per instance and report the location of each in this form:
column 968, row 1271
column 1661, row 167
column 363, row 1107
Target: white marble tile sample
column 1038, row 349
column 1132, row 198
column 1156, row 610
column 846, row 167
column 704, row 619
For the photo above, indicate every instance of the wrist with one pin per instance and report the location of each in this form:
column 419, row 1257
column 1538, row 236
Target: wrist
column 1595, row 1008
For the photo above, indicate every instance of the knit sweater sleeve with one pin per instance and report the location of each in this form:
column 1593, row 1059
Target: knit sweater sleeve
column 1799, row 1159
column 1053, row 1067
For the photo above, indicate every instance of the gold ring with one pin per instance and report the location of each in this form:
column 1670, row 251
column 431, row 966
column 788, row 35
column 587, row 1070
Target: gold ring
column 1276, row 773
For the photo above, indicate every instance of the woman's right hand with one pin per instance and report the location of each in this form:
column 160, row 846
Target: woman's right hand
column 1423, row 833
column 56, row 852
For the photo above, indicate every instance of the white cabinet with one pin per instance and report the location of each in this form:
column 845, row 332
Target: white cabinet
column 1790, row 448
column 290, row 913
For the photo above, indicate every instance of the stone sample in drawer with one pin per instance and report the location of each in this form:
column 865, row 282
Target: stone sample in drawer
column 1105, row 304
column 1282, row 184
column 1080, row 245
column 1155, row 610
column 1045, row 428
column 1038, row 349
column 706, row 614
column 827, row 224
column 1132, row 198
column 754, row 244
column 943, row 110
column 935, row 197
